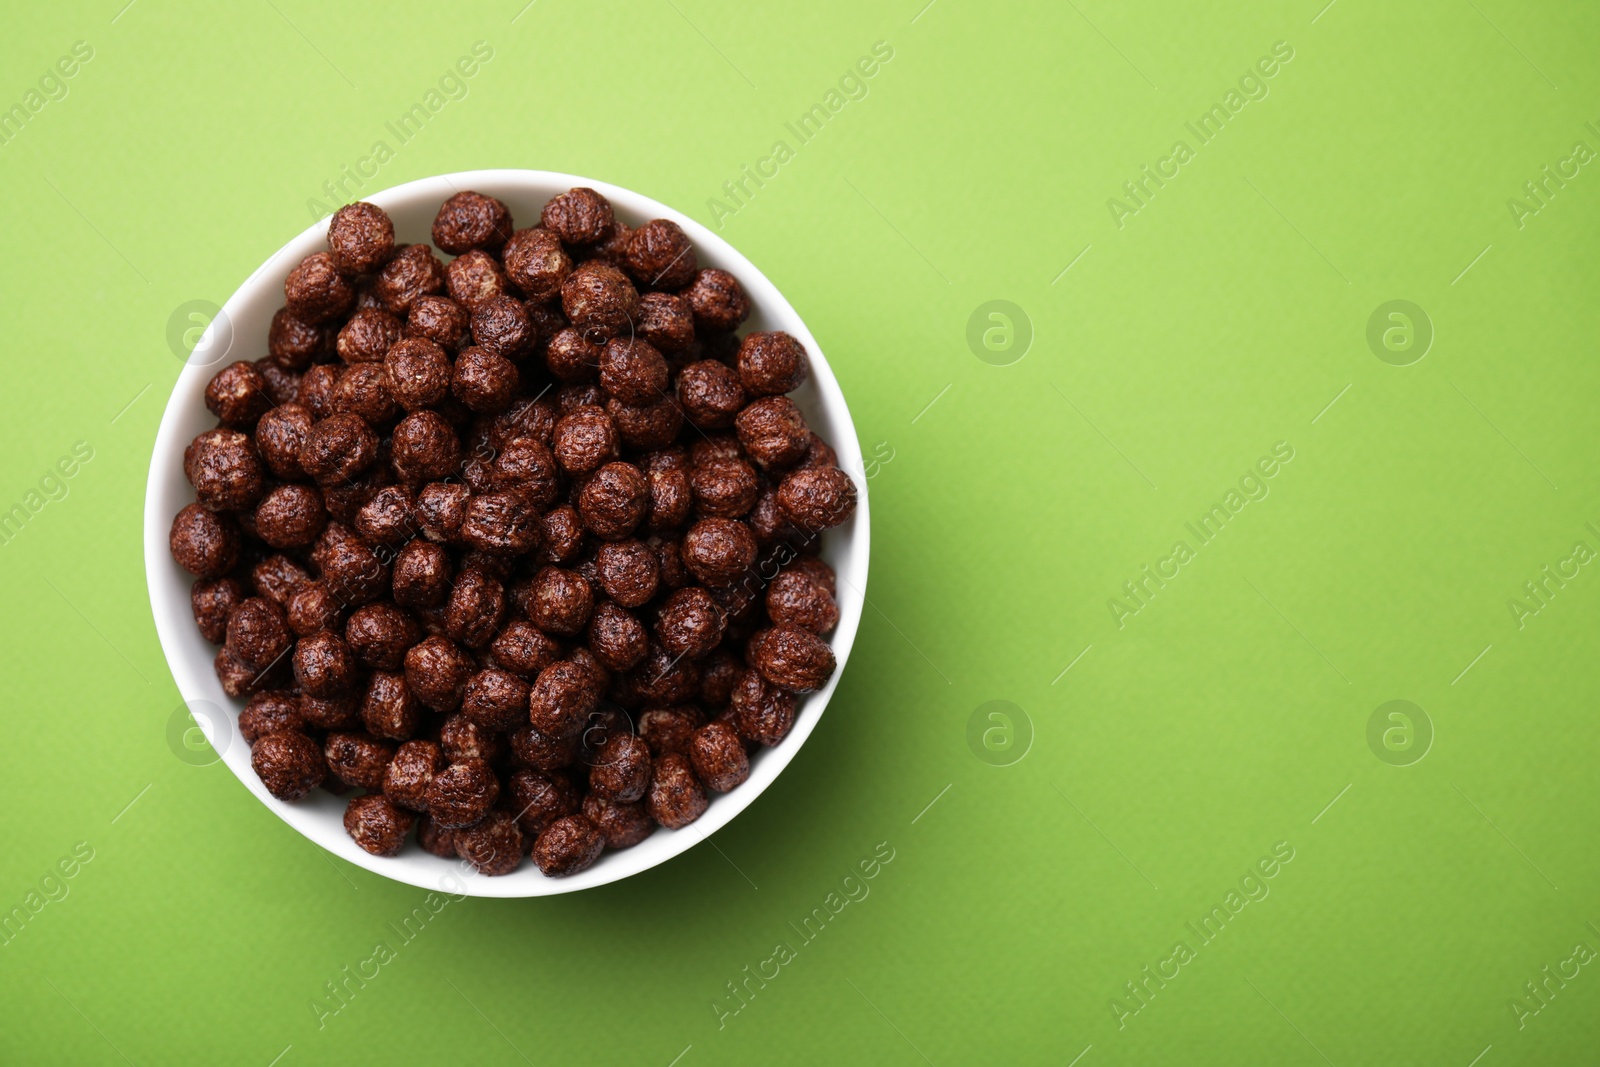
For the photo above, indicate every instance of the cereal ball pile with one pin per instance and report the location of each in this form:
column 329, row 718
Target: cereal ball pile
column 519, row 549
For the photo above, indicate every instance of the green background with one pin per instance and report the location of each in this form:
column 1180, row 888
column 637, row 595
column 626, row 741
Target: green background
column 1229, row 714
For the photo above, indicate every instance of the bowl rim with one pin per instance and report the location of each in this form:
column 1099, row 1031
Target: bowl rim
column 168, row 585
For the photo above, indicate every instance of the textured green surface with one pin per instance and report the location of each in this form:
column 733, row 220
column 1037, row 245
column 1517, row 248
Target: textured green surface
column 1227, row 316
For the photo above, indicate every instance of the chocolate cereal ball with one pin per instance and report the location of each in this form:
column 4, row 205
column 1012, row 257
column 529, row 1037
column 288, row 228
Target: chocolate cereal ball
column 715, row 448
column 332, row 713
column 484, row 381
column 293, row 344
column 421, row 575
column 440, row 509
column 316, row 389
column 793, row 659
column 718, row 756
column 313, row 607
column 289, row 764
column 474, row 609
column 719, row 674
column 368, row 336
column 462, row 793
column 614, row 501
column 676, row 798
column 474, row 278
column 406, row 779
column 567, row 846
column 526, row 465
column 572, row 357
column 225, row 470
column 280, row 434
column 771, row 362
column 374, row 823
column 661, row 256
column 437, row 671
column 798, row 598
column 818, row 571
column 689, row 623
column 271, row 712
column 773, row 432
column 324, row 665
column 413, row 271
column 239, row 679
column 360, row 238
column 523, row 649
column 364, row 390
column 599, row 300
column 570, row 398
column 633, row 371
column 561, row 535
column 711, row 394
column 542, row 752
column 762, row 713
column 352, row 571
column 277, row 577
column 719, row 551
column 424, row 448
column 578, row 216
column 440, row 319
column 435, row 839
column 612, row 248
column 203, row 542
column 585, row 440
column 500, row 325
column 389, row 709
column 724, row 488
column 628, row 571
column 559, row 601
column 338, row 449
column 767, row 520
column 505, row 524
column 622, row 825
column 212, row 600
column 617, row 638
column 539, row 798
column 670, row 496
column 717, row 300
column 419, row 372
column 649, row 426
column 380, row 634
column 561, row 699
column 546, row 319
column 358, row 759
column 665, row 320
column 461, row 739
column 621, row 769
column 669, row 558
column 536, row 262
column 496, row 700
column 316, row 292
column 385, row 519
column 669, row 729
column 817, row 498
column 281, row 384
column 492, row 846
column 237, row 395
column 471, row 220
column 664, row 679
column 258, row 634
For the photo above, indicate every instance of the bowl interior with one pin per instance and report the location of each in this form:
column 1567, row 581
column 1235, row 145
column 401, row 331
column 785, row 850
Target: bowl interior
column 239, row 332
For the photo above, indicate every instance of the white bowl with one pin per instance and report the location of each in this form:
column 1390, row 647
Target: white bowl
column 240, row 332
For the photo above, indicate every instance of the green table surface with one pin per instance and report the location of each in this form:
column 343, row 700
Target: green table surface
column 1194, row 505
